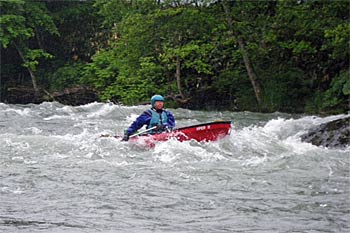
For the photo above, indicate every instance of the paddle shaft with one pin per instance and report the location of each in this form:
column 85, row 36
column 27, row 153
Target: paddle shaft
column 144, row 131
column 131, row 136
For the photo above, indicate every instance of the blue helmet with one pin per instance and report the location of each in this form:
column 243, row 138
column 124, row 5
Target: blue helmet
column 156, row 98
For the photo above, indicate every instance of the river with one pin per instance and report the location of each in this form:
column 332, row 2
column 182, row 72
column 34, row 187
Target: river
column 58, row 175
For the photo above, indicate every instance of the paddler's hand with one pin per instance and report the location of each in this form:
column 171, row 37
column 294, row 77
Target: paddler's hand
column 126, row 136
column 160, row 128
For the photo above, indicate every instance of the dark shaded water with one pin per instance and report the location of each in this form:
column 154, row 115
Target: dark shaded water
column 58, row 175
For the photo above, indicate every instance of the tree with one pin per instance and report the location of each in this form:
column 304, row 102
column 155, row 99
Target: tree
column 235, row 31
column 20, row 26
column 311, row 36
column 185, row 34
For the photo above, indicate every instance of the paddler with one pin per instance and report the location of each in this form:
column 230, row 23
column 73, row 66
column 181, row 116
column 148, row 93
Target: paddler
column 156, row 116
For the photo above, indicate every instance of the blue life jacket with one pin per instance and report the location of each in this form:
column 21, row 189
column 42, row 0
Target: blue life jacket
column 157, row 118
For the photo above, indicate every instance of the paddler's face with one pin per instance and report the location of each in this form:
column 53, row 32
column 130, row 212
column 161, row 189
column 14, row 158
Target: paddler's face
column 158, row 105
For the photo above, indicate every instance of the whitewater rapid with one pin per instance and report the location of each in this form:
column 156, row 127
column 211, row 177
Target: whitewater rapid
column 58, row 175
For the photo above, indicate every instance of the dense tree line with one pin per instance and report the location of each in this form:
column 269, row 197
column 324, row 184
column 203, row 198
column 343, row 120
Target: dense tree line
column 290, row 56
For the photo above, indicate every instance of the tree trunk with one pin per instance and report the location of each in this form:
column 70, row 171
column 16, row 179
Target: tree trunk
column 178, row 76
column 252, row 75
column 38, row 39
column 248, row 64
column 179, row 98
column 33, row 77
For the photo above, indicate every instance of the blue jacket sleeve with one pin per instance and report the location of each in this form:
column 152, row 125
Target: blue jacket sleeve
column 171, row 120
column 142, row 120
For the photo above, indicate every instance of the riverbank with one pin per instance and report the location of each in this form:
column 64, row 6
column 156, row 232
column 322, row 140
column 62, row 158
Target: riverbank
column 80, row 95
column 73, row 96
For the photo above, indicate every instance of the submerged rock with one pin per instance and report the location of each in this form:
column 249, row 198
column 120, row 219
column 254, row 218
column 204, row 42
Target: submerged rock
column 333, row 134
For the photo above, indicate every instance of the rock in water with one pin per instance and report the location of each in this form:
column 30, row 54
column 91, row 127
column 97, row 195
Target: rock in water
column 333, row 134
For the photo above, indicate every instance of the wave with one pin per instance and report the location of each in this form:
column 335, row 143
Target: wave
column 255, row 137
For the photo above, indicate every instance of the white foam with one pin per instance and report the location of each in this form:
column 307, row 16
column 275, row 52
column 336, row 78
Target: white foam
column 283, row 128
column 104, row 110
column 132, row 117
column 17, row 145
column 173, row 150
column 91, row 105
column 254, row 161
column 280, row 135
column 295, row 145
column 75, row 138
column 54, row 117
column 35, row 130
column 67, row 109
column 22, row 112
column 9, row 190
column 3, row 105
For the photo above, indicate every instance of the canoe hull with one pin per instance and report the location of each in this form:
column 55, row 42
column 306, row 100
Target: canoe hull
column 202, row 133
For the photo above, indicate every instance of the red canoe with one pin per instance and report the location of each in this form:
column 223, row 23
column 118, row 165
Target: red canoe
column 202, row 133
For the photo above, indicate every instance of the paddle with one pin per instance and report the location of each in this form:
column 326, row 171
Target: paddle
column 131, row 136
column 144, row 131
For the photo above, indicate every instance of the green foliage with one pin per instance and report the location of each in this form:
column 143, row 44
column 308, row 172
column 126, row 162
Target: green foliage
column 334, row 100
column 285, row 90
column 38, row 18
column 337, row 40
column 12, row 25
column 81, row 33
column 338, row 94
column 32, row 57
column 102, row 72
column 66, row 76
column 193, row 56
column 130, row 50
column 21, row 25
column 11, row 28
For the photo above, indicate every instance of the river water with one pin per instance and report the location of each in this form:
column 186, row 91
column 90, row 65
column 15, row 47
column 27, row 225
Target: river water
column 58, row 175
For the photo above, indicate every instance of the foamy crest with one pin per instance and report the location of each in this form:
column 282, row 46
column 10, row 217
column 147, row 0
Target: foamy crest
column 17, row 145
column 104, row 110
column 132, row 117
column 16, row 190
column 164, row 153
column 3, row 106
column 254, row 161
column 76, row 139
column 26, row 112
column 282, row 128
column 91, row 106
column 55, row 117
column 35, row 130
column 295, row 145
column 173, row 150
